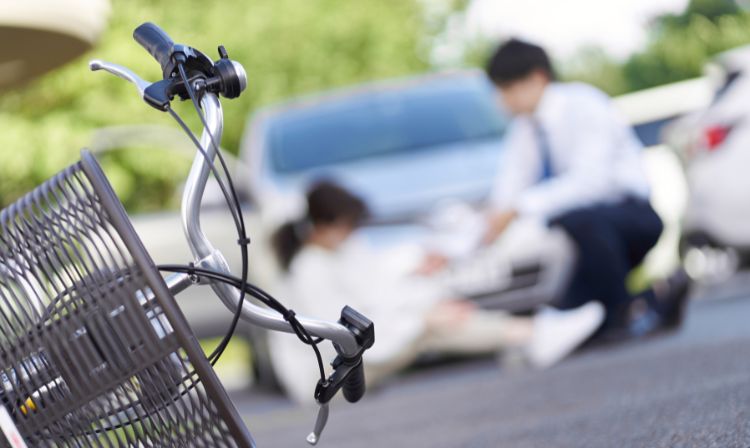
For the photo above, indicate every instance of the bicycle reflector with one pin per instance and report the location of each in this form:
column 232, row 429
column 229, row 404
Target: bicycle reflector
column 93, row 348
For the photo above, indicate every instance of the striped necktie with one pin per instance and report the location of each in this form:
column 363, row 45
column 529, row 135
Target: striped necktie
column 545, row 155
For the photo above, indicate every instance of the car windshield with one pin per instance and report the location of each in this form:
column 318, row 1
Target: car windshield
column 371, row 124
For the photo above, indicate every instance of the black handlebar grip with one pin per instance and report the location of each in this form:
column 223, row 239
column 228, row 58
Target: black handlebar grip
column 156, row 42
column 354, row 384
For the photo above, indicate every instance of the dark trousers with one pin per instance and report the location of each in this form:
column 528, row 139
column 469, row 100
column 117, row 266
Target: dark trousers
column 611, row 239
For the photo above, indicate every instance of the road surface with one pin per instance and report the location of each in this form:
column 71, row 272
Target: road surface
column 690, row 388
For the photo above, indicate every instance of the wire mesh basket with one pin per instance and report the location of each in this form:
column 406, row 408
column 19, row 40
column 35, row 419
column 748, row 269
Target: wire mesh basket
column 93, row 348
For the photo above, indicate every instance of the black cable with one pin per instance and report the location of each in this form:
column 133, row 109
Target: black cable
column 211, row 164
column 255, row 292
column 266, row 298
column 263, row 297
column 242, row 240
column 214, row 356
column 233, row 204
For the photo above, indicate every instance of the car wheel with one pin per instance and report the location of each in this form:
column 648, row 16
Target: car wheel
column 707, row 261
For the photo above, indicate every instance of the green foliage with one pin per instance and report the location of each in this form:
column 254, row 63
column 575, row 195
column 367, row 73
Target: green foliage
column 288, row 47
column 679, row 53
column 478, row 51
column 678, row 49
column 592, row 65
column 710, row 9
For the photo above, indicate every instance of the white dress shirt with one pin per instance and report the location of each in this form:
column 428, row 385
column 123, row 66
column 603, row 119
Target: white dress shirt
column 593, row 153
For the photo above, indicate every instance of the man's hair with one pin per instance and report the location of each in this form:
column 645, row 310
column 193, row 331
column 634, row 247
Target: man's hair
column 515, row 59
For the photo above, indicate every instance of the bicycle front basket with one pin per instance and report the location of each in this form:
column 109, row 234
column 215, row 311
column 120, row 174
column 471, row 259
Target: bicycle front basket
column 93, row 348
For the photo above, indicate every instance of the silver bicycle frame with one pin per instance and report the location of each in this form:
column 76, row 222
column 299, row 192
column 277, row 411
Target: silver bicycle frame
column 206, row 255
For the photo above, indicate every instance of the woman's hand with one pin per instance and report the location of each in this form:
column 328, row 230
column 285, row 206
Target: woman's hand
column 432, row 263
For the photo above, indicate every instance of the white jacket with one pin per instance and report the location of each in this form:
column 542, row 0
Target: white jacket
column 321, row 282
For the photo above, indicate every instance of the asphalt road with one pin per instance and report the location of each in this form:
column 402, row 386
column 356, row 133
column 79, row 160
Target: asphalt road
column 690, row 388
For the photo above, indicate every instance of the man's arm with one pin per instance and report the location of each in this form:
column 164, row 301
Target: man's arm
column 517, row 167
column 517, row 171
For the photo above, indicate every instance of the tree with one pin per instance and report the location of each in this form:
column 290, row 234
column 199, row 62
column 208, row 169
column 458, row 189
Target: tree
column 592, row 65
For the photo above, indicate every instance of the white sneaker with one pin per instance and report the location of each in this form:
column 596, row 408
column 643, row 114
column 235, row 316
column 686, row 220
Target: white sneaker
column 558, row 333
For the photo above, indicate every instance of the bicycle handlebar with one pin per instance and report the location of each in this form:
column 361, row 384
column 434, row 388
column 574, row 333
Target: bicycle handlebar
column 156, row 42
column 354, row 384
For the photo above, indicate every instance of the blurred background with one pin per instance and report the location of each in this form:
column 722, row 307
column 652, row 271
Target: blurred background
column 331, row 84
column 292, row 48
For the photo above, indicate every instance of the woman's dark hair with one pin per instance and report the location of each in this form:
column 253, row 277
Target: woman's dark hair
column 327, row 203
column 515, row 59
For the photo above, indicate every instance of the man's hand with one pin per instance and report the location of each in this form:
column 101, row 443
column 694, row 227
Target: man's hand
column 496, row 225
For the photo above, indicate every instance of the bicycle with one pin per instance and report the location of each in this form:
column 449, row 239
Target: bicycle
column 94, row 350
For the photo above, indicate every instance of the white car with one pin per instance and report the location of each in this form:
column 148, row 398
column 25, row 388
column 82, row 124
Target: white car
column 714, row 147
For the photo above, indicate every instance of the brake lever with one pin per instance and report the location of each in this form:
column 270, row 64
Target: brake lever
column 156, row 94
column 345, row 369
column 121, row 72
column 320, row 424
